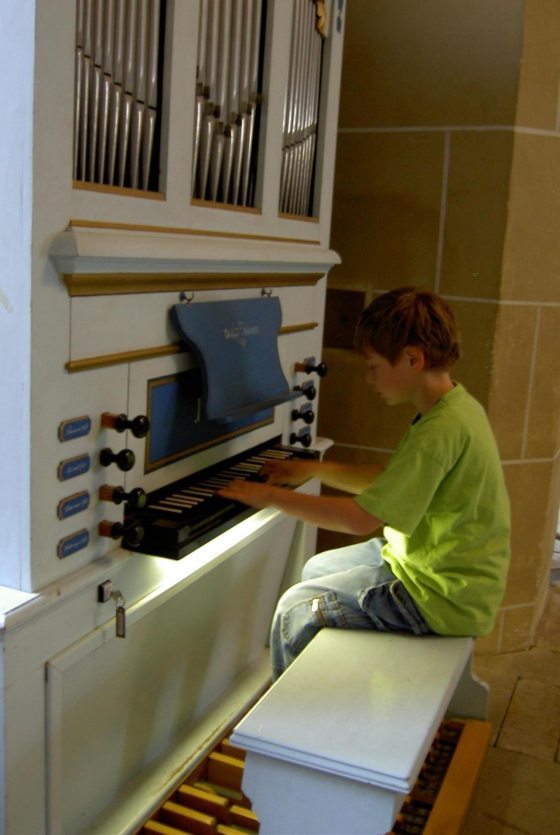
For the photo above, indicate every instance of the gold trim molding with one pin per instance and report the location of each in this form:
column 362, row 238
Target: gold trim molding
column 104, row 360
column 110, row 284
column 118, row 190
column 305, row 326
column 178, row 230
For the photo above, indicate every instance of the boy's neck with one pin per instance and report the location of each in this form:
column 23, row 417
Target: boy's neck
column 432, row 387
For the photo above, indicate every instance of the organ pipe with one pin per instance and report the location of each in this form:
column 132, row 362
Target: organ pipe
column 118, row 44
column 227, row 100
column 301, row 108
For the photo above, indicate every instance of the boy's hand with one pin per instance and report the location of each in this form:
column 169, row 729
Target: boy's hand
column 248, row 492
column 292, row 472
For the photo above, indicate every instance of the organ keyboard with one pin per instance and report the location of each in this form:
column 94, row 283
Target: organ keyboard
column 182, row 516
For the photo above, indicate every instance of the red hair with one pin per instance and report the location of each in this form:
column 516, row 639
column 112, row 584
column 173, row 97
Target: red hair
column 409, row 317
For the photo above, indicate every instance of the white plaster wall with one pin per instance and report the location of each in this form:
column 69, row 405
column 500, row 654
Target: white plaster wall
column 17, row 24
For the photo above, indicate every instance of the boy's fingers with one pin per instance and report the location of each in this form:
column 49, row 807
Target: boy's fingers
column 272, row 471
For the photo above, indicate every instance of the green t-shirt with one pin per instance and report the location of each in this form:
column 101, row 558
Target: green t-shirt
column 446, row 512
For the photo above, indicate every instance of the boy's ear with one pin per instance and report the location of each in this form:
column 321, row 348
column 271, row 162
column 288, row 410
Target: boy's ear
column 415, row 357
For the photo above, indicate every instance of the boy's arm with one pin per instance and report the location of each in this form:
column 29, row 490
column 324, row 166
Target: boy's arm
column 352, row 478
column 331, row 512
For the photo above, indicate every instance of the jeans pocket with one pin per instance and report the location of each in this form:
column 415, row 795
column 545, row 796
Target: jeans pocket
column 391, row 609
column 409, row 611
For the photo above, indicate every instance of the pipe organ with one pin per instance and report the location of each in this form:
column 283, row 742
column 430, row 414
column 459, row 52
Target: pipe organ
column 167, row 157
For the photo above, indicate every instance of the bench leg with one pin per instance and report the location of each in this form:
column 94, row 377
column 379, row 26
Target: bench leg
column 289, row 798
column 470, row 699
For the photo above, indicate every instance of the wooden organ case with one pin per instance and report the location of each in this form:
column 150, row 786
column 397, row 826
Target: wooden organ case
column 162, row 153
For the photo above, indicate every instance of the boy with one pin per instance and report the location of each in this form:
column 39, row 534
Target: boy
column 441, row 565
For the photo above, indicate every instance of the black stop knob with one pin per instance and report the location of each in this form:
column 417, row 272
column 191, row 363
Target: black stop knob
column 308, row 389
column 136, row 498
column 310, row 364
column 132, row 534
column 306, row 414
column 303, row 438
column 320, row 369
column 139, row 426
column 125, row 459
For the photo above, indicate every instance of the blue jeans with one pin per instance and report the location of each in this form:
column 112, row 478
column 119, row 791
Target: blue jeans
column 346, row 588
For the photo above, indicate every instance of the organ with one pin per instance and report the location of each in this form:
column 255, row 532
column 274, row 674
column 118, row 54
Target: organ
column 161, row 154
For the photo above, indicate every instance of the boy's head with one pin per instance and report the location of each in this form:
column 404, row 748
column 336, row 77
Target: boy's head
column 409, row 317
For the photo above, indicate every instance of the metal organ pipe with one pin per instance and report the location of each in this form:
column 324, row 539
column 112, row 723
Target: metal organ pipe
column 151, row 93
column 78, row 81
column 117, row 99
column 253, row 100
column 104, row 48
column 301, row 108
column 227, row 100
column 139, row 92
column 116, row 91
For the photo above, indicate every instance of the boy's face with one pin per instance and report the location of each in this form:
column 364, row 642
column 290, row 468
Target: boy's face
column 393, row 383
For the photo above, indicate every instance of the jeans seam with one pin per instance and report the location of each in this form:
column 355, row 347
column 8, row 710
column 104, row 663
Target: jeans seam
column 334, row 604
column 319, row 612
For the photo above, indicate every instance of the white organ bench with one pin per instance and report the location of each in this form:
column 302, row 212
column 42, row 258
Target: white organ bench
column 343, row 733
